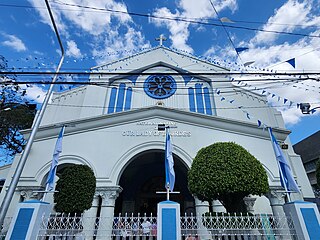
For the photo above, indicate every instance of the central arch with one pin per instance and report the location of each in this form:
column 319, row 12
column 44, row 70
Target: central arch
column 143, row 177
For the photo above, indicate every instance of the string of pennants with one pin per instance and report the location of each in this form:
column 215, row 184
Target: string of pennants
column 262, row 92
column 41, row 62
column 259, row 123
column 286, row 101
column 223, row 63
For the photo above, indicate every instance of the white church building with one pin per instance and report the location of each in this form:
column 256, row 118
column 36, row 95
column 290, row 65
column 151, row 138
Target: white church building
column 112, row 127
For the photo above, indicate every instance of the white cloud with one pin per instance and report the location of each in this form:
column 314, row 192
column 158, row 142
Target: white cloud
column 179, row 31
column 93, row 22
column 73, row 50
column 114, row 42
column 288, row 17
column 107, row 31
column 268, row 52
column 307, row 58
column 14, row 42
column 35, row 93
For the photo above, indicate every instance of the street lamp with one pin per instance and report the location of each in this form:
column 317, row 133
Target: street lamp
column 305, row 108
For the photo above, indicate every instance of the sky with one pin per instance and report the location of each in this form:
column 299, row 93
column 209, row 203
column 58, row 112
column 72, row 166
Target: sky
column 95, row 32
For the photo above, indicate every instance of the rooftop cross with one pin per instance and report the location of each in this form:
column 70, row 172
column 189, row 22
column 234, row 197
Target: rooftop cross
column 161, row 38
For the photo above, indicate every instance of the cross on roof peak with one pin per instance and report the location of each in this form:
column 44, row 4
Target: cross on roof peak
column 161, row 38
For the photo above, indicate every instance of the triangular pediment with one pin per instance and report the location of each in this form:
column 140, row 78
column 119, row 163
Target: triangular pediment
column 159, row 55
column 154, row 69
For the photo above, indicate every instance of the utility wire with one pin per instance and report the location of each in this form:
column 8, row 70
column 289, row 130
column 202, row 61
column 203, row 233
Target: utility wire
column 227, row 33
column 185, row 20
column 203, row 19
column 179, row 19
column 210, row 72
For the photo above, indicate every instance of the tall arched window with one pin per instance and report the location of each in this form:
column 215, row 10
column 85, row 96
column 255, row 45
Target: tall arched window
column 199, row 99
column 120, row 99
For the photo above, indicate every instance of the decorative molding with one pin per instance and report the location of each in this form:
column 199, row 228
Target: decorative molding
column 249, row 202
column 108, row 195
column 276, row 196
column 30, row 192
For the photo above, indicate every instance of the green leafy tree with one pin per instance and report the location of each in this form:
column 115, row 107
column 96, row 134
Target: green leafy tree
column 227, row 172
column 75, row 189
column 15, row 112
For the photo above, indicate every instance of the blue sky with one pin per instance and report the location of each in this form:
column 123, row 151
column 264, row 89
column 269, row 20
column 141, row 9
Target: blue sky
column 92, row 37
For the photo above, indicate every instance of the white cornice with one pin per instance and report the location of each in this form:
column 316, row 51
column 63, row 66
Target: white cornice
column 143, row 114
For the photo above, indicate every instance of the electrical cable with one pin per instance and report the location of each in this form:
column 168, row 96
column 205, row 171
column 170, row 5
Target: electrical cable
column 180, row 19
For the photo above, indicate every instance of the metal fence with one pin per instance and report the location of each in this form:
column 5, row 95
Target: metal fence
column 226, row 227
column 242, row 227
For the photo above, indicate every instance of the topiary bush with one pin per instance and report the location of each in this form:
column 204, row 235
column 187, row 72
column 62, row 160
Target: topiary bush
column 75, row 189
column 227, row 172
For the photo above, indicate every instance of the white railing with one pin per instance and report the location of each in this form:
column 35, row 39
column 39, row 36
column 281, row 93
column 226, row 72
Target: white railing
column 145, row 227
column 225, row 226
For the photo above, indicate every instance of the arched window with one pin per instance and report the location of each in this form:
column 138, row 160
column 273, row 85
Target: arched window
column 120, row 99
column 200, row 99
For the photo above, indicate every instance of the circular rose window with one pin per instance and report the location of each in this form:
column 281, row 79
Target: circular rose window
column 160, row 86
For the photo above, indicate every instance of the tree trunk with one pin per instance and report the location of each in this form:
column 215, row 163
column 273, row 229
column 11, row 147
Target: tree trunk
column 233, row 202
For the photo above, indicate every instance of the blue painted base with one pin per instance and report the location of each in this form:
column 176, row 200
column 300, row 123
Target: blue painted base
column 27, row 220
column 168, row 227
column 306, row 219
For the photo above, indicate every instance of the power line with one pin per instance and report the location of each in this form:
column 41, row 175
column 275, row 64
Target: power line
column 186, row 20
column 227, row 33
column 210, row 72
column 175, row 19
column 205, row 19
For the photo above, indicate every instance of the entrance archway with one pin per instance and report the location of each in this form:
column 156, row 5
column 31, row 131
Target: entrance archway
column 143, row 177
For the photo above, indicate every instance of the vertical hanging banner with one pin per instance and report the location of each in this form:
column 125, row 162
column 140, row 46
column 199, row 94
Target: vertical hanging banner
column 170, row 174
column 55, row 159
column 286, row 177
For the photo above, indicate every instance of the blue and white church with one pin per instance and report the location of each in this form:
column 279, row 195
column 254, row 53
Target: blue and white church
column 113, row 128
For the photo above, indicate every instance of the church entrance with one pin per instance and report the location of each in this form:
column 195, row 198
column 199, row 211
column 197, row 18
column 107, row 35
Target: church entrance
column 143, row 177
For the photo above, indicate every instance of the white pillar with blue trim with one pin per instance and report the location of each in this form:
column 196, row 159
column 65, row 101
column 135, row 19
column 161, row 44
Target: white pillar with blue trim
column 306, row 219
column 27, row 220
column 168, row 227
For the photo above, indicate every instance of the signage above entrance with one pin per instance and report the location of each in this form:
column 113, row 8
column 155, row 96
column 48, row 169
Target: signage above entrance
column 154, row 130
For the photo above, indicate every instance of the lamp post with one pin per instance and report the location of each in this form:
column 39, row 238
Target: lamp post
column 305, row 108
column 15, row 179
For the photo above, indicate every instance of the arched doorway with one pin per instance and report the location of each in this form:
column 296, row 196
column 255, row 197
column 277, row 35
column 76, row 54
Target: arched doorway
column 143, row 177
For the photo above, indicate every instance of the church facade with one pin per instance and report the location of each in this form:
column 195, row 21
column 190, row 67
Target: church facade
column 113, row 128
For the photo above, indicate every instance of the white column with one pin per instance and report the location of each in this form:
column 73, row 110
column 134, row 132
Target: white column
column 217, row 206
column 276, row 196
column 109, row 196
column 89, row 218
column 201, row 208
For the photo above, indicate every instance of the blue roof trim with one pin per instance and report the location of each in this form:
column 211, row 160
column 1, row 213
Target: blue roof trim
column 168, row 202
column 299, row 202
column 35, row 201
column 186, row 78
column 133, row 78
